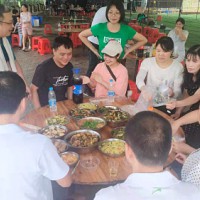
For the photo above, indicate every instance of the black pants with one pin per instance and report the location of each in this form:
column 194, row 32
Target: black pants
column 93, row 60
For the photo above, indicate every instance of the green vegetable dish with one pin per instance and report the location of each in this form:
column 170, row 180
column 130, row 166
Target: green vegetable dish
column 118, row 133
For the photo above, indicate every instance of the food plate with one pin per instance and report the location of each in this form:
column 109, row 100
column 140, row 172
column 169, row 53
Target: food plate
column 78, row 113
column 88, row 106
column 70, row 157
column 116, row 118
column 60, row 145
column 58, row 120
column 54, row 131
column 118, row 132
column 112, row 147
column 93, row 123
column 107, row 109
column 83, row 141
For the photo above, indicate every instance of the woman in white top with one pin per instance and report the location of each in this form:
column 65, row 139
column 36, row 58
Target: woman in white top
column 25, row 18
column 179, row 37
column 161, row 74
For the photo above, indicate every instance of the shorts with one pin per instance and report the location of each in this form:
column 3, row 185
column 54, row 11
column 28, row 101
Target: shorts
column 27, row 30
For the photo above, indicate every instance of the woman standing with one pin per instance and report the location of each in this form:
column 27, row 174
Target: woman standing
column 113, row 29
column 163, row 75
column 191, row 86
column 25, row 18
column 179, row 37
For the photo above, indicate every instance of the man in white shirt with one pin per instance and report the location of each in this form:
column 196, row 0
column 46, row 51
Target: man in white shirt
column 100, row 17
column 28, row 161
column 148, row 142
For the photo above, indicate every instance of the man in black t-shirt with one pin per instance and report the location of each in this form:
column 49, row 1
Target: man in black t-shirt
column 56, row 72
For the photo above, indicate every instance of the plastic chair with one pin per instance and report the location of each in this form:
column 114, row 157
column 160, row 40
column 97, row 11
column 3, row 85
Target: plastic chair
column 47, row 29
column 85, row 26
column 35, row 41
column 44, row 46
column 75, row 39
column 153, row 35
column 15, row 40
column 159, row 18
column 146, row 31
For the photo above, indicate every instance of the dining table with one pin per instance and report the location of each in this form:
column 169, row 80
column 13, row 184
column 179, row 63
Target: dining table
column 37, row 118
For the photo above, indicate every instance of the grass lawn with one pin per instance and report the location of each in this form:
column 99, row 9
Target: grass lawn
column 191, row 24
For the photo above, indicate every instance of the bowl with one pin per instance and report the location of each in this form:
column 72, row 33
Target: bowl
column 118, row 132
column 92, row 123
column 54, row 131
column 88, row 106
column 116, row 118
column 71, row 158
column 83, row 141
column 60, row 145
column 58, row 120
column 91, row 163
column 107, row 109
column 112, row 147
column 78, row 113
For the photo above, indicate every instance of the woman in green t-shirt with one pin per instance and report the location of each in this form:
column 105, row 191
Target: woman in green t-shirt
column 113, row 29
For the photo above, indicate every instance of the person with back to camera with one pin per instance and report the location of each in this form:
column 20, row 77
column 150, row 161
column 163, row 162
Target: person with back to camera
column 113, row 29
column 179, row 37
column 27, row 29
column 28, row 160
column 148, row 143
column 110, row 69
column 191, row 85
column 56, row 72
column 163, row 75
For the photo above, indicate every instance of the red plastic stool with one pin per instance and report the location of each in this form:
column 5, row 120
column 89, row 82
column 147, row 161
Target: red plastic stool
column 35, row 41
column 135, row 93
column 44, row 46
column 47, row 29
column 15, row 40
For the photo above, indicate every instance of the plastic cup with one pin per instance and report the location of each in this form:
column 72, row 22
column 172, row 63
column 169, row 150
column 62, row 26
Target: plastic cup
column 113, row 166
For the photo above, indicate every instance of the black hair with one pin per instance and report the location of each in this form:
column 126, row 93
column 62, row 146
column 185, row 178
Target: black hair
column 119, row 5
column 12, row 91
column 166, row 43
column 180, row 19
column 60, row 41
column 192, row 53
column 149, row 135
column 3, row 10
column 25, row 5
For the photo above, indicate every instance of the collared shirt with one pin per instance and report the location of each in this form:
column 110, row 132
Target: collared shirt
column 151, row 186
column 28, row 163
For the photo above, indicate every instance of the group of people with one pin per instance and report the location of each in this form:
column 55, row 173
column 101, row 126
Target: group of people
column 148, row 135
column 22, row 25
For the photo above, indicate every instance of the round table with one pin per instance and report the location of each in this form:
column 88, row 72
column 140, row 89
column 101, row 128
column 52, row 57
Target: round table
column 82, row 176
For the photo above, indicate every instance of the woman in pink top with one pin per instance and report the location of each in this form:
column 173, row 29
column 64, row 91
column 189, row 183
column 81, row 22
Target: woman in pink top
column 99, row 81
column 25, row 18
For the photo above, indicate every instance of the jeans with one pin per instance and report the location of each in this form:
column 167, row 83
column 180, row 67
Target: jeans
column 93, row 60
column 20, row 40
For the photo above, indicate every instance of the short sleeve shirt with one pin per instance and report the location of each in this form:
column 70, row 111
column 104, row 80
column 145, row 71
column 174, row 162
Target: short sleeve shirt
column 104, row 35
column 48, row 74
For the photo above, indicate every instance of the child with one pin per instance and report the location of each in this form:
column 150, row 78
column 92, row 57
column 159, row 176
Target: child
column 18, row 26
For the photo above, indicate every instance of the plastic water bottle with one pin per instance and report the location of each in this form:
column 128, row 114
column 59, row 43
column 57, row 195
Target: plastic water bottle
column 78, row 88
column 52, row 100
column 111, row 92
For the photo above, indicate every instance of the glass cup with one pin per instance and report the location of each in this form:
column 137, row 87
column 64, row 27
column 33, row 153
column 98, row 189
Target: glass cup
column 113, row 166
column 178, row 138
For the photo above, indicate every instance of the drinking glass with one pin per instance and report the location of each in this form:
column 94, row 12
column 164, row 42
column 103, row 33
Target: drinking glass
column 113, row 166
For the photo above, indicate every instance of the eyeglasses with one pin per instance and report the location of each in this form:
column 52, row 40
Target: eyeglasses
column 9, row 23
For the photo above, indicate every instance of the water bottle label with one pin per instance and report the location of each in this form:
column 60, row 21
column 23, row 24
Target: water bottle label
column 52, row 102
column 78, row 89
column 111, row 93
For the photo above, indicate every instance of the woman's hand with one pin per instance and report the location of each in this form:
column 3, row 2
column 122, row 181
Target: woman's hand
column 175, row 126
column 176, row 115
column 171, row 105
column 180, row 158
column 97, row 77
